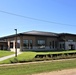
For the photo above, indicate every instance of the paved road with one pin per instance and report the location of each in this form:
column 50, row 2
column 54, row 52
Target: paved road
column 7, row 57
column 62, row 72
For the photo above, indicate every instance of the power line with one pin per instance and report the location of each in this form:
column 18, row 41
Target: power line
column 35, row 18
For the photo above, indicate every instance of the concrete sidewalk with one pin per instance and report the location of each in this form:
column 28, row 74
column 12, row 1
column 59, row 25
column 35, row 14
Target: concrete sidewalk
column 7, row 57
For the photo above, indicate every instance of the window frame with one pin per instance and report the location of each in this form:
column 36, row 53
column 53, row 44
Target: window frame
column 26, row 45
column 41, row 43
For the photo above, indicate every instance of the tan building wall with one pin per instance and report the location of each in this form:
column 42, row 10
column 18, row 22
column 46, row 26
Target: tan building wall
column 33, row 38
column 36, row 38
column 51, row 40
column 69, row 37
column 3, row 46
column 13, row 40
column 69, row 42
column 47, row 39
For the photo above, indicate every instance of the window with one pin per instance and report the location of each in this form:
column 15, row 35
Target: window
column 64, row 46
column 11, row 44
column 53, row 44
column 41, row 43
column 30, row 42
column 25, row 44
column 60, row 46
column 50, row 44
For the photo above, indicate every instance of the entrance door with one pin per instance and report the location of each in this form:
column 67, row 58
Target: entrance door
column 71, row 47
column 1, row 47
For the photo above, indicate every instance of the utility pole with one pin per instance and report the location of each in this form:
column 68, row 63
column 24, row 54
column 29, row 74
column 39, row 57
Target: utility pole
column 16, row 43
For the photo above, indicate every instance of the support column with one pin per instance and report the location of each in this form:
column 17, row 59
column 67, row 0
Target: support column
column 14, row 42
column 8, row 45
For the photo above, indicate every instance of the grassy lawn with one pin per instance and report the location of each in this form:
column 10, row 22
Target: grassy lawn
column 29, row 56
column 29, row 69
column 5, row 53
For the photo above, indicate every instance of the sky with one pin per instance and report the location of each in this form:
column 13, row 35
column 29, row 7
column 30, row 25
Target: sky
column 54, row 11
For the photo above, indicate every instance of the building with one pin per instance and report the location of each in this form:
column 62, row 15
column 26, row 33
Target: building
column 38, row 41
column 3, row 45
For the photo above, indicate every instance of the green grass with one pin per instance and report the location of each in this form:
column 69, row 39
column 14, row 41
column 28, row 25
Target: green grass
column 37, row 67
column 29, row 56
column 5, row 53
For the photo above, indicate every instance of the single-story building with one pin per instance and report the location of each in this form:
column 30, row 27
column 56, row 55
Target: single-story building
column 3, row 45
column 39, row 40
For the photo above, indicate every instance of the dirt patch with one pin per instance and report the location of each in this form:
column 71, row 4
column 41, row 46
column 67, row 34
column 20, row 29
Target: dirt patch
column 62, row 72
